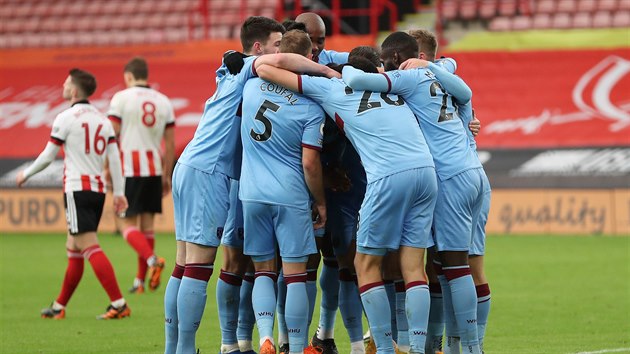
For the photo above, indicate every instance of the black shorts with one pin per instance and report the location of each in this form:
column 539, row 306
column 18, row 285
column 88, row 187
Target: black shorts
column 144, row 195
column 83, row 211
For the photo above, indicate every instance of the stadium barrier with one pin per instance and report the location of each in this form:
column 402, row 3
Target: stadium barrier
column 513, row 211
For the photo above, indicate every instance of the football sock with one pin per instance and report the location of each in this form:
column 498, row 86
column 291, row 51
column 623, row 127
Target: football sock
column 417, row 310
column 136, row 239
column 357, row 347
column 376, row 305
column 451, row 344
column 350, row 305
column 246, row 319
column 329, row 284
column 228, row 298
column 264, row 303
column 435, row 329
column 391, row 297
column 283, row 333
column 74, row 272
column 402, row 324
column 311, row 291
column 483, row 310
column 142, row 263
column 191, row 302
column 464, row 300
column 103, row 270
column 296, row 311
column 170, row 309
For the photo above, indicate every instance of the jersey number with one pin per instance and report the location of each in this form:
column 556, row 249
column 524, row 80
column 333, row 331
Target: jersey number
column 148, row 114
column 99, row 140
column 366, row 104
column 265, row 135
column 443, row 115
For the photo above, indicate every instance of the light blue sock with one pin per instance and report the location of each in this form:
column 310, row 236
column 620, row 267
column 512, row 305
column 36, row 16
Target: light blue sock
column 228, row 298
column 191, row 302
column 170, row 314
column 283, row 333
column 311, row 291
column 402, row 324
column 435, row 329
column 483, row 310
column 265, row 305
column 376, row 305
column 296, row 311
column 350, row 308
column 391, row 297
column 464, row 298
column 246, row 319
column 451, row 344
column 329, row 283
column 418, row 303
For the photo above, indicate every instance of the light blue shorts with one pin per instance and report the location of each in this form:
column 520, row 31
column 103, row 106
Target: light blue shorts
column 269, row 226
column 233, row 234
column 478, row 245
column 398, row 211
column 457, row 210
column 201, row 203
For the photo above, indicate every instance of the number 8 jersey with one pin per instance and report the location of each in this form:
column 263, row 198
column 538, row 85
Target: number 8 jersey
column 143, row 114
column 85, row 133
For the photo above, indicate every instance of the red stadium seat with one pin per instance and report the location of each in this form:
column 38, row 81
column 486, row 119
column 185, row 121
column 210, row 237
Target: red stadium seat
column 39, row 10
column 541, row 21
column 521, row 23
column 582, row 20
column 607, row 5
column 176, row 35
column 561, row 21
column 568, row 6
column 156, row 20
column 621, row 19
column 587, row 5
column 23, row 10
column 507, row 7
column 468, row 9
column 449, row 9
column 93, row 8
column 500, row 24
column 487, row 9
column 67, row 39
column 602, row 19
column 220, row 32
column 545, row 6
column 624, row 5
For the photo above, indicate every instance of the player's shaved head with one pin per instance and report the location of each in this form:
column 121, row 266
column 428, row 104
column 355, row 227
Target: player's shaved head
column 138, row 68
column 316, row 29
column 396, row 48
column 296, row 41
column 83, row 81
column 427, row 43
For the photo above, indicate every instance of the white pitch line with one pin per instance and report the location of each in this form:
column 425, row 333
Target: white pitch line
column 618, row 350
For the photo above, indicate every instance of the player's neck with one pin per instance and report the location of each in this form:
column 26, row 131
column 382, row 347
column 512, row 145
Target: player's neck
column 76, row 100
column 140, row 83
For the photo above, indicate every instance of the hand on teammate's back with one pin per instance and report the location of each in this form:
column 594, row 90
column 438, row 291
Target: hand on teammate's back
column 413, row 63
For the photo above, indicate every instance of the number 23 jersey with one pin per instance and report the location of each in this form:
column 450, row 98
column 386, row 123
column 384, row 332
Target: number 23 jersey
column 143, row 114
column 85, row 134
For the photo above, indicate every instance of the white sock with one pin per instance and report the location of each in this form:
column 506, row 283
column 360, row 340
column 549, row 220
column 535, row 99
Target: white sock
column 357, row 347
column 138, row 282
column 283, row 338
column 228, row 348
column 263, row 339
column 119, row 303
column 57, row 306
column 321, row 334
column 151, row 261
column 245, row 345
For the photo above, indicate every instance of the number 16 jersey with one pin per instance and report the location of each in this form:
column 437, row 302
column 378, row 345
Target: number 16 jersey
column 143, row 114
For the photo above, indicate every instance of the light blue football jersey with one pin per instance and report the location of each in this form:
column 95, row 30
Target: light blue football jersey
column 216, row 145
column 434, row 106
column 381, row 127
column 276, row 124
column 330, row 56
column 465, row 113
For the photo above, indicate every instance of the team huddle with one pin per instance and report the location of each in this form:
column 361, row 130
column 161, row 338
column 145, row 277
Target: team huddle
column 365, row 159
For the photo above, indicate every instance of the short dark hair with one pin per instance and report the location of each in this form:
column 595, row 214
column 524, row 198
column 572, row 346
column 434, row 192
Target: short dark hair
column 293, row 25
column 138, row 68
column 366, row 52
column 363, row 64
column 84, row 81
column 427, row 42
column 401, row 43
column 296, row 41
column 258, row 29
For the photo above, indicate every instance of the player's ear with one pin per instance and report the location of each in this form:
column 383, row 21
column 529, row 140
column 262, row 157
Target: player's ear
column 396, row 59
column 257, row 48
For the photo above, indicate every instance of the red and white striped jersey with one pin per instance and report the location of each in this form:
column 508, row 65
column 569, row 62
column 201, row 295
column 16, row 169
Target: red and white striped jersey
column 143, row 114
column 84, row 133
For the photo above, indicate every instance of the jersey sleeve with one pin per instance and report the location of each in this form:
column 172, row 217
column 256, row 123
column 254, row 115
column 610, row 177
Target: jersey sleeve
column 338, row 57
column 115, row 108
column 313, row 135
column 316, row 88
column 60, row 130
column 248, row 70
column 453, row 84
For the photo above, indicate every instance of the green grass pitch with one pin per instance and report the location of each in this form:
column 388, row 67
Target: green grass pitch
column 550, row 294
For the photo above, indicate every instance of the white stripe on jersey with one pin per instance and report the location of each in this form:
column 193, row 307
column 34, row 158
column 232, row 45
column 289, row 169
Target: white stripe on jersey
column 71, row 213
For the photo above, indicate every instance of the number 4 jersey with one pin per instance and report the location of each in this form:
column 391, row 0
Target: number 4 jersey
column 85, row 133
column 143, row 114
